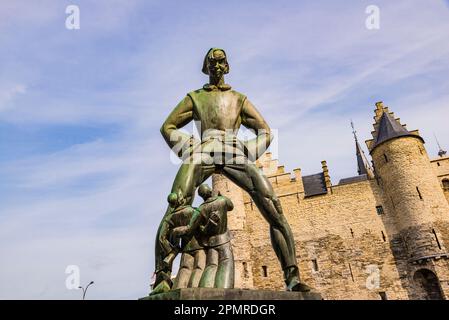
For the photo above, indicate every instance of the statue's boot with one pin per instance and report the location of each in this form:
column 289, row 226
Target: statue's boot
column 162, row 283
column 161, row 288
column 293, row 282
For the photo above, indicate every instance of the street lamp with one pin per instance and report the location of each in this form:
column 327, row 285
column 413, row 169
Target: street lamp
column 85, row 290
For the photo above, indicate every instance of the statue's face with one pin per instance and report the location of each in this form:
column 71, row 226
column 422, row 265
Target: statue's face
column 217, row 64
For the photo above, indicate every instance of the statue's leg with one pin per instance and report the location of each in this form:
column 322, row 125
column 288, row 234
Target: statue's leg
column 252, row 180
column 188, row 177
column 198, row 268
column 225, row 271
column 184, row 272
column 208, row 277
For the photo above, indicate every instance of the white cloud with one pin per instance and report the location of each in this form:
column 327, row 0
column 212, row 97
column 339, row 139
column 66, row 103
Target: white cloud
column 8, row 93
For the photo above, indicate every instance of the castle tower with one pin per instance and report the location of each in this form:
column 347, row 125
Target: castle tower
column 419, row 208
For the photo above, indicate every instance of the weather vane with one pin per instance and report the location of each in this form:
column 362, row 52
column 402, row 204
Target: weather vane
column 441, row 152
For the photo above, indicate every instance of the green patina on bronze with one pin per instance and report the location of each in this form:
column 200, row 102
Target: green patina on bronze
column 220, row 111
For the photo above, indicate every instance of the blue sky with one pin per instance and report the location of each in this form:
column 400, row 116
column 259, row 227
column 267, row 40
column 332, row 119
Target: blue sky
column 84, row 170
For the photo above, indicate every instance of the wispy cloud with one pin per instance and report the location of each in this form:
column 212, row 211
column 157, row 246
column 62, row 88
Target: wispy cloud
column 8, row 93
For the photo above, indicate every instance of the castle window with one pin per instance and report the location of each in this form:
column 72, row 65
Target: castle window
column 245, row 269
column 350, row 271
column 265, row 271
column 438, row 164
column 446, row 184
column 436, row 238
column 383, row 236
column 352, row 232
column 380, row 210
column 383, row 295
column 419, row 193
column 386, row 158
column 314, row 265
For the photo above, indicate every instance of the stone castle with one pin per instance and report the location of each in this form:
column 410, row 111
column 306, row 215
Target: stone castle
column 383, row 234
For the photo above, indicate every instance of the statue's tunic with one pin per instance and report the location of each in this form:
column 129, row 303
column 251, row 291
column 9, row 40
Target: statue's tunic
column 218, row 117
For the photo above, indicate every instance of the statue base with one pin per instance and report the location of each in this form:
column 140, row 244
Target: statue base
column 232, row 294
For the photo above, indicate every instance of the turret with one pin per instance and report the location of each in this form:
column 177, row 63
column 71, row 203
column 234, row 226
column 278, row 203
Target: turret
column 404, row 172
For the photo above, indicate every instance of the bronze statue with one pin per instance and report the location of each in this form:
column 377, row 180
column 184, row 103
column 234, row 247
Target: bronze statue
column 218, row 112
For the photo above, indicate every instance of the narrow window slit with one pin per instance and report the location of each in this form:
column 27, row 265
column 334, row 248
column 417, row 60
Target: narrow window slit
column 315, row 265
column 350, row 271
column 265, row 271
column 419, row 193
column 436, row 238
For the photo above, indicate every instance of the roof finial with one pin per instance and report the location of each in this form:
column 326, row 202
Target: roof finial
column 354, row 132
column 379, row 105
column 441, row 152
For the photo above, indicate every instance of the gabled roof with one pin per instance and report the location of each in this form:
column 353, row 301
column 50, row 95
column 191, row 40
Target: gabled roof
column 314, row 184
column 354, row 179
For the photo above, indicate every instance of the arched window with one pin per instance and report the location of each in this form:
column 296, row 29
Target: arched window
column 446, row 184
column 427, row 285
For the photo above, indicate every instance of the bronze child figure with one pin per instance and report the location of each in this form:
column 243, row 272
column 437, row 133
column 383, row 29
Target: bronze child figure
column 212, row 229
column 193, row 258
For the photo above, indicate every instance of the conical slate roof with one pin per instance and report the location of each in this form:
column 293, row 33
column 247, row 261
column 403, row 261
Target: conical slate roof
column 388, row 129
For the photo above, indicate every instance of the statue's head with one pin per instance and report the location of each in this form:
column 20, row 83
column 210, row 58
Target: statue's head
column 215, row 63
column 205, row 191
column 172, row 199
column 176, row 199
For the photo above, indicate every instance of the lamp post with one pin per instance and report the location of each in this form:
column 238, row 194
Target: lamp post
column 85, row 290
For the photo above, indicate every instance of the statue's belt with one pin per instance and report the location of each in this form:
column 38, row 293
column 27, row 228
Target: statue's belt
column 217, row 240
column 218, row 134
column 220, row 145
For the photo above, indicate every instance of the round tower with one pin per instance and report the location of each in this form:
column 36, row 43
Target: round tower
column 404, row 172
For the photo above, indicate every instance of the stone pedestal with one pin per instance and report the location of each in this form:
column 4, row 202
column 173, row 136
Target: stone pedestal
column 232, row 294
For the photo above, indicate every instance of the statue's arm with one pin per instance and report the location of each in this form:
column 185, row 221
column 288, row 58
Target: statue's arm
column 189, row 229
column 252, row 119
column 229, row 204
column 178, row 118
column 164, row 234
